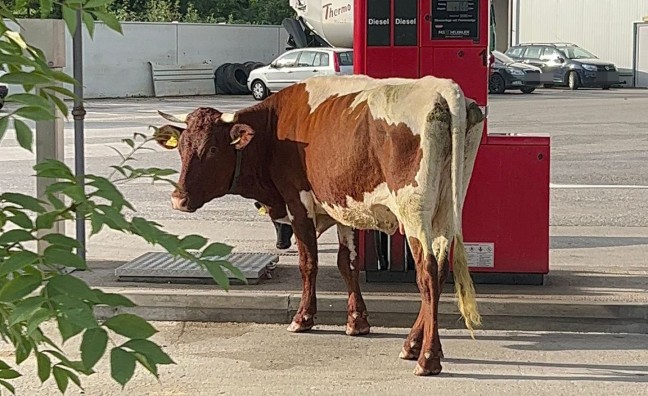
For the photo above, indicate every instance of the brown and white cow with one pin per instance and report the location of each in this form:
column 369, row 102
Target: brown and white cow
column 358, row 153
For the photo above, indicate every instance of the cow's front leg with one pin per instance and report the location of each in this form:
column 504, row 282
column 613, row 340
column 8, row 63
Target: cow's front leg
column 347, row 261
column 304, row 230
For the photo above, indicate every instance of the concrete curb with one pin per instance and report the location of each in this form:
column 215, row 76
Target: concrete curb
column 390, row 311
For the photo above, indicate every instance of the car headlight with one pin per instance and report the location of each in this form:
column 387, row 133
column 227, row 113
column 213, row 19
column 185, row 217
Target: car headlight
column 589, row 67
column 515, row 72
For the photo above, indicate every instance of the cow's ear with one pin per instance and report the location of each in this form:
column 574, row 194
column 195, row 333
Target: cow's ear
column 241, row 135
column 168, row 136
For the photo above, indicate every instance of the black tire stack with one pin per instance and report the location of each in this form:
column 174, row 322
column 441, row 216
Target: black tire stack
column 231, row 78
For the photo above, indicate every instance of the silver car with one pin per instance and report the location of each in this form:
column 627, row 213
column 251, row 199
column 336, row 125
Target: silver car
column 296, row 65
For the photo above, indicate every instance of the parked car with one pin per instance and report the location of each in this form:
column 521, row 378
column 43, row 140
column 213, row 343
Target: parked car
column 296, row 65
column 506, row 73
column 4, row 91
column 567, row 64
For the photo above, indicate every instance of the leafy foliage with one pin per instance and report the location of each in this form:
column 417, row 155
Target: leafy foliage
column 33, row 288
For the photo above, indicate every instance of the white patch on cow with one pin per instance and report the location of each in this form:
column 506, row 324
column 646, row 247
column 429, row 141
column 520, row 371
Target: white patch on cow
column 306, row 198
column 346, row 238
column 290, row 215
column 283, row 220
column 323, row 87
column 228, row 117
column 394, row 104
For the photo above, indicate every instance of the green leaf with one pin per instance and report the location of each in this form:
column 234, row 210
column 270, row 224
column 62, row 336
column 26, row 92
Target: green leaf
column 122, row 365
column 89, row 22
column 19, row 218
column 44, row 366
column 113, row 300
column 29, row 99
column 57, row 168
column 23, row 350
column 41, row 315
column 21, row 78
column 25, row 309
column 67, row 328
column 4, row 365
column 17, row 261
column 45, row 221
column 93, row 346
column 8, row 386
column 147, row 363
column 15, row 236
column 35, row 113
column 95, row 3
column 24, row 201
column 64, row 91
column 71, row 286
column 150, row 350
column 110, row 20
column 62, row 240
column 61, row 377
column 64, row 77
column 24, row 135
column 130, row 325
column 193, row 242
column 46, row 8
column 69, row 15
column 59, row 103
column 57, row 256
column 215, row 270
column 9, row 374
column 4, row 123
column 216, row 249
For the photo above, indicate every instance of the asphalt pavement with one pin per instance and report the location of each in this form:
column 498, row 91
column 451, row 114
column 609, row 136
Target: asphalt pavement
column 253, row 359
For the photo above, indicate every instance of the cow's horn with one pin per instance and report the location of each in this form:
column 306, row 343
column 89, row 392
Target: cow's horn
column 238, row 139
column 228, row 118
column 179, row 118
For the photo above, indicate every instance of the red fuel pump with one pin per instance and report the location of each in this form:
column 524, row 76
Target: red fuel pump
column 506, row 213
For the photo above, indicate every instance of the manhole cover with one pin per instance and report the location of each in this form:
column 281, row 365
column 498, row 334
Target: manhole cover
column 160, row 267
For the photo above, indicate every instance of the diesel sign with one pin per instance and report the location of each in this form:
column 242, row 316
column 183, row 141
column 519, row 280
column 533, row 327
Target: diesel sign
column 405, row 22
column 378, row 23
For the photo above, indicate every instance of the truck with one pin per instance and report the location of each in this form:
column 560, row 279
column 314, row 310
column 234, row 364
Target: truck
column 329, row 23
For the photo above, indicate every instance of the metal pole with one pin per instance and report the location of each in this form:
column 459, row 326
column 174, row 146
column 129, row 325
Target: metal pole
column 78, row 112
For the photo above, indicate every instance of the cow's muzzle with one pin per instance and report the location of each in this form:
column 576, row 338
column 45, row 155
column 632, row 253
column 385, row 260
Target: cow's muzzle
column 181, row 204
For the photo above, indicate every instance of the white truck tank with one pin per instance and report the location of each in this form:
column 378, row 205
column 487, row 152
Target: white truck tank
column 332, row 20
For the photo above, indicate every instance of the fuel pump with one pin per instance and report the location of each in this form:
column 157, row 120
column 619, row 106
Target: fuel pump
column 506, row 212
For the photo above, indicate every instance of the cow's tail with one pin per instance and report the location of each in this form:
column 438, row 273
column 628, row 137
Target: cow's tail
column 463, row 284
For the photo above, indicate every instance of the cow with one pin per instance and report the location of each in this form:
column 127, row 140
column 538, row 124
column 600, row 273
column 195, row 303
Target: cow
column 356, row 152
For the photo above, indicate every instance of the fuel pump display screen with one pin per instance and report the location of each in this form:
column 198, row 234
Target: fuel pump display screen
column 455, row 19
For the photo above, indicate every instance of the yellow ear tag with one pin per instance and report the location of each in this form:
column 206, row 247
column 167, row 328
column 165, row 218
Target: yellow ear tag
column 262, row 211
column 172, row 142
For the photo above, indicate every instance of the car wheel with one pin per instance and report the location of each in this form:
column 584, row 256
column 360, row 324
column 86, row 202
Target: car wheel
column 527, row 90
column 259, row 90
column 496, row 84
column 573, row 80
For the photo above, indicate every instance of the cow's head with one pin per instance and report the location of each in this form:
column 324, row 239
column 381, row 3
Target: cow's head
column 208, row 143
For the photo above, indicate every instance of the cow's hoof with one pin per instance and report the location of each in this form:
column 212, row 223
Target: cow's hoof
column 422, row 372
column 411, row 350
column 300, row 325
column 428, row 366
column 407, row 355
column 357, row 326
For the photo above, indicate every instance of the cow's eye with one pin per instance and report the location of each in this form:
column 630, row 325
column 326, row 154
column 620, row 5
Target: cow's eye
column 213, row 150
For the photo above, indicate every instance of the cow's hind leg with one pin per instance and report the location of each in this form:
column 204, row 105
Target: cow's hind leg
column 347, row 261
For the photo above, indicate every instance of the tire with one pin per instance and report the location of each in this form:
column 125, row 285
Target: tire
column 1, row 103
column 219, row 80
column 496, row 84
column 259, row 90
column 527, row 90
column 573, row 81
column 236, row 78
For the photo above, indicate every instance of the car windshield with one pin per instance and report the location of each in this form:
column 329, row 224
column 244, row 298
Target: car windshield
column 500, row 57
column 576, row 53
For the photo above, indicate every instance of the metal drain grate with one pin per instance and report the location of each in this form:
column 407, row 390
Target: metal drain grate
column 160, row 267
